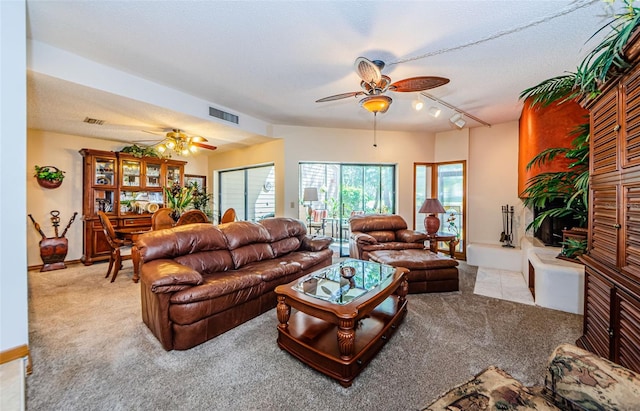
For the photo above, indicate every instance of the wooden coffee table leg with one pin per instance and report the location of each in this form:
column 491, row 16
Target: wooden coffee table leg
column 283, row 311
column 402, row 291
column 346, row 338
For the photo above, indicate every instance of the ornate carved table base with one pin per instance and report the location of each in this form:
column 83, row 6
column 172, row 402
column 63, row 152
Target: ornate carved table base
column 340, row 346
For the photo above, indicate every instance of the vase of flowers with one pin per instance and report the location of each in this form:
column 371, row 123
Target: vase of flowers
column 178, row 199
column 453, row 228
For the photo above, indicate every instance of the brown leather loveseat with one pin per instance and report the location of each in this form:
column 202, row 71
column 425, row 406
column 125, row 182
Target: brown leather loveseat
column 200, row 280
column 384, row 238
column 373, row 232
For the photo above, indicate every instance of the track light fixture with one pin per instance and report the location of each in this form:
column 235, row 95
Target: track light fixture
column 458, row 120
column 434, row 111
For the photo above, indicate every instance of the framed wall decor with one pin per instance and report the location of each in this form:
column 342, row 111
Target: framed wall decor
column 192, row 178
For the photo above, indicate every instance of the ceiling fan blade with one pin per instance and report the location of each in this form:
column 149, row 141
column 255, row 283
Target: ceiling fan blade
column 198, row 139
column 202, row 145
column 418, row 84
column 340, row 96
column 368, row 70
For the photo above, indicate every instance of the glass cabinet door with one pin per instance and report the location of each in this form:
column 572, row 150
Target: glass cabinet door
column 104, row 171
column 173, row 175
column 131, row 173
column 103, row 200
column 152, row 175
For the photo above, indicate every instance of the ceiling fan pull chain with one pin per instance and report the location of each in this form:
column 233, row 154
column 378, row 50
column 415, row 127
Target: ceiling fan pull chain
column 374, row 129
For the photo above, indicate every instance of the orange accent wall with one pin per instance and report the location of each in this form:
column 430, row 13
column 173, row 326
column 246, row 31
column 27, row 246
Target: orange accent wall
column 542, row 128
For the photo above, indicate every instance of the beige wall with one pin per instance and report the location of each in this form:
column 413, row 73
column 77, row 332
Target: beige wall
column 493, row 182
column 61, row 150
column 491, row 171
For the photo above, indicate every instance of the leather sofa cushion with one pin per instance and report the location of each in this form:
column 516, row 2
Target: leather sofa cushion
column 392, row 246
column 250, row 253
column 383, row 236
column 285, row 245
column 242, row 233
column 166, row 276
column 194, row 311
column 181, row 240
column 273, row 269
column 208, row 261
column 281, row 227
column 412, row 259
column 316, row 243
column 410, row 236
column 377, row 222
column 308, row 259
column 217, row 284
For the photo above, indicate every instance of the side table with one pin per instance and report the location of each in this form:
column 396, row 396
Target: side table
column 440, row 236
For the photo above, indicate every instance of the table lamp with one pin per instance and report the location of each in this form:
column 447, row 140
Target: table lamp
column 310, row 194
column 431, row 207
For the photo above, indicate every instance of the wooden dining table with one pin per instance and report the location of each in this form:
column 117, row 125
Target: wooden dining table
column 131, row 234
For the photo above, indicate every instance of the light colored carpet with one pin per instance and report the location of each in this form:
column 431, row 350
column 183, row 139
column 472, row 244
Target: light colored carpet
column 91, row 351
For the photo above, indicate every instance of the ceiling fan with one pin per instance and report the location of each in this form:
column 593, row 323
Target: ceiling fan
column 374, row 84
column 181, row 143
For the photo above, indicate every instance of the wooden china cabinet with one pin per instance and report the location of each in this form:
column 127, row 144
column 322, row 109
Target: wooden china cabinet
column 127, row 188
column 612, row 264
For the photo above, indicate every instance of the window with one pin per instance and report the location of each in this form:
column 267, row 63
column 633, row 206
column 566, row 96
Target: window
column 446, row 182
column 250, row 191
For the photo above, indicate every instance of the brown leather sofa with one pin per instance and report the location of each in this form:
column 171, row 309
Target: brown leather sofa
column 200, row 280
column 385, row 239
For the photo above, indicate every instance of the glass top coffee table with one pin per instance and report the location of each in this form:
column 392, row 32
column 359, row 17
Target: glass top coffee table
column 343, row 315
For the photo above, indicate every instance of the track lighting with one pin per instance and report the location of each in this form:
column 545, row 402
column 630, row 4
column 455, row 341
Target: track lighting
column 434, row 111
column 458, row 120
column 417, row 104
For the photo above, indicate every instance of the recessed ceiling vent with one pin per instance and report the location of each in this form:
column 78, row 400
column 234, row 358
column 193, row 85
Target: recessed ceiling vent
column 93, row 121
column 223, row 115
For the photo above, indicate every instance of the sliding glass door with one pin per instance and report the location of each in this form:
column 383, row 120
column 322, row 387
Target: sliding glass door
column 345, row 190
column 250, row 191
column 447, row 183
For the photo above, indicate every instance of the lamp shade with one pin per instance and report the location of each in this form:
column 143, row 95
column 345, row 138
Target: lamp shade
column 431, row 206
column 311, row 194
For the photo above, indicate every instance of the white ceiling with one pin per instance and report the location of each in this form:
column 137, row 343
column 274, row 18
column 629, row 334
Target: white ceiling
column 270, row 60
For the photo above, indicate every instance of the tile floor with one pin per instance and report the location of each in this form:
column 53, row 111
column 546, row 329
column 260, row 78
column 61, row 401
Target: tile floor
column 503, row 284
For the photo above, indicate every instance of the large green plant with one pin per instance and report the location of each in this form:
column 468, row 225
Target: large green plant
column 571, row 187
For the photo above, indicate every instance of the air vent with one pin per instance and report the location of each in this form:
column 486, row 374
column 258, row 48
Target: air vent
column 223, row 115
column 93, row 121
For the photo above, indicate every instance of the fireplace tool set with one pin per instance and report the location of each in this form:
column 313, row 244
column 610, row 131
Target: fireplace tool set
column 506, row 236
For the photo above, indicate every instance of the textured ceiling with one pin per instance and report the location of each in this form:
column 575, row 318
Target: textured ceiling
column 271, row 60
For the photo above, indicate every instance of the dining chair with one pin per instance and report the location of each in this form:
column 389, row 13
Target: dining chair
column 192, row 217
column 229, row 216
column 115, row 257
column 162, row 219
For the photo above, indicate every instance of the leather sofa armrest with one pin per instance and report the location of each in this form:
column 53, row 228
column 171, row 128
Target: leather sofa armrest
column 316, row 243
column 363, row 238
column 411, row 236
column 167, row 276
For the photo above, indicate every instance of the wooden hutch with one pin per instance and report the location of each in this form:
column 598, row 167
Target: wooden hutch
column 612, row 263
column 127, row 188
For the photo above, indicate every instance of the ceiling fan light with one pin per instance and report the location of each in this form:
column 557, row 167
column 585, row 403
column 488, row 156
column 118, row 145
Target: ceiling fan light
column 162, row 148
column 184, row 152
column 376, row 104
column 434, row 111
column 193, row 148
column 171, row 144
